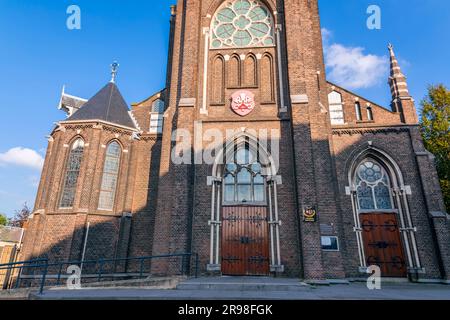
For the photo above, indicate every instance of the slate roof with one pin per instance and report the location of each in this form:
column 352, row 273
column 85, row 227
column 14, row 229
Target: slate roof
column 10, row 234
column 70, row 104
column 107, row 105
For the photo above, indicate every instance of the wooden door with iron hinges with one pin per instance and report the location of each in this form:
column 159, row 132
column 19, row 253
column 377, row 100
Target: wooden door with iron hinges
column 245, row 241
column 382, row 243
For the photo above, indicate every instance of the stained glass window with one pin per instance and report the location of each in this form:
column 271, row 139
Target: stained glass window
column 243, row 182
column 72, row 172
column 242, row 23
column 110, row 177
column 373, row 187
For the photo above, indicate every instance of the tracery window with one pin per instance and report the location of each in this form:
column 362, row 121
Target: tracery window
column 72, row 172
column 242, row 23
column 110, row 176
column 373, row 187
column 243, row 181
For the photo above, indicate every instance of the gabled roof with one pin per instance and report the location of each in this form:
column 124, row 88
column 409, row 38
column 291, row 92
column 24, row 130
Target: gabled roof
column 159, row 94
column 69, row 103
column 358, row 96
column 107, row 105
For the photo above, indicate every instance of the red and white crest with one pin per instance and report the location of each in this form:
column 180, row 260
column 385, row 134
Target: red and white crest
column 243, row 102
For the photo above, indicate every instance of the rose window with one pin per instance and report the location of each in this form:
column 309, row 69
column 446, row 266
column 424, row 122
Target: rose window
column 242, row 23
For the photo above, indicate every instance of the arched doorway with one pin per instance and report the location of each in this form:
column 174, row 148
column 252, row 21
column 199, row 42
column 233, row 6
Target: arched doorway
column 245, row 228
column 378, row 218
column 245, row 237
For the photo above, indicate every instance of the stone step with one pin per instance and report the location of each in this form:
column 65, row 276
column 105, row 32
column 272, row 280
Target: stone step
column 230, row 284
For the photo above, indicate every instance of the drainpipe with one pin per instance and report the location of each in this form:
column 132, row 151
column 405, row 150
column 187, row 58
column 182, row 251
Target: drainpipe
column 84, row 245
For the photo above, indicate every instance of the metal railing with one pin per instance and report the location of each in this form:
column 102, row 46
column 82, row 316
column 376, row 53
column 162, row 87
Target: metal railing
column 41, row 273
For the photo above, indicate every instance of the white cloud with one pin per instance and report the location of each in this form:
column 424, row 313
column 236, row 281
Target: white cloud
column 23, row 157
column 326, row 36
column 351, row 67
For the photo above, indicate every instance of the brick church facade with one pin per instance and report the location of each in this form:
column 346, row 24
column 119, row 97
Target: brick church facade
column 293, row 175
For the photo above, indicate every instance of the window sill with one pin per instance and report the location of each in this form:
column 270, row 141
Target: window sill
column 378, row 211
column 244, row 204
column 365, row 121
column 243, row 87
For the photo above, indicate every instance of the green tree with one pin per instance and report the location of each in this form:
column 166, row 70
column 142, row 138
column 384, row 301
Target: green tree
column 435, row 127
column 3, row 219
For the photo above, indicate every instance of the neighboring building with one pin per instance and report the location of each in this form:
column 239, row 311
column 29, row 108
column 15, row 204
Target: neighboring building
column 10, row 246
column 341, row 184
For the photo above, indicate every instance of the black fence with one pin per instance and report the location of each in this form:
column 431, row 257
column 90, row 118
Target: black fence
column 41, row 273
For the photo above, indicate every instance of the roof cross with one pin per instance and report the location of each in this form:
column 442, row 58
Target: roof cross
column 114, row 70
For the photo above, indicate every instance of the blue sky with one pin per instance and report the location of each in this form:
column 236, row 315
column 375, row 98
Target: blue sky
column 38, row 55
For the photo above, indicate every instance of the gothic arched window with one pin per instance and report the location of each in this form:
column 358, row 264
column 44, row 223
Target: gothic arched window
column 72, row 172
column 110, row 176
column 243, row 181
column 373, row 186
column 242, row 23
column 267, row 79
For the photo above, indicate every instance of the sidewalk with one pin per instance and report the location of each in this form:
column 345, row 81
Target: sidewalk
column 284, row 289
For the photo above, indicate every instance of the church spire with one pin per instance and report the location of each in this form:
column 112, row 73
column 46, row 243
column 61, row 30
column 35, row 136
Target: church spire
column 397, row 80
column 402, row 102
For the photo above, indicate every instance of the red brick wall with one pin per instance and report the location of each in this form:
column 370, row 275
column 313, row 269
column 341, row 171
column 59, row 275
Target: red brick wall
column 169, row 205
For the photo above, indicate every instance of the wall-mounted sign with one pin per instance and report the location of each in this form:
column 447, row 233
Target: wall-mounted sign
column 330, row 243
column 243, row 102
column 309, row 214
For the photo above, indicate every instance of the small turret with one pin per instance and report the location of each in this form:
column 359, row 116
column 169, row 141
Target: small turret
column 402, row 101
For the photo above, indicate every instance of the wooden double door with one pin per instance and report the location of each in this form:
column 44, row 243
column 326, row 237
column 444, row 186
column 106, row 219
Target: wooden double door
column 245, row 241
column 382, row 243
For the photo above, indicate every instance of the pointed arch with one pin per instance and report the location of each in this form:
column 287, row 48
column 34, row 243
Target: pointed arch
column 215, row 4
column 393, row 188
column 72, row 172
column 250, row 74
column 267, row 78
column 244, row 177
column 218, row 80
column 110, row 176
column 234, row 71
column 373, row 185
column 239, row 140
column 380, row 156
